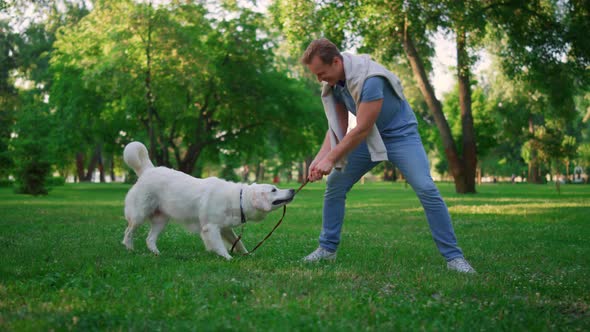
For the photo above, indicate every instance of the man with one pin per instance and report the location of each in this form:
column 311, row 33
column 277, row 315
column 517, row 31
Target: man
column 386, row 130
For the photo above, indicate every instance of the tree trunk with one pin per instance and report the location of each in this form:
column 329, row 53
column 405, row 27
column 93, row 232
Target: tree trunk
column 455, row 164
column 92, row 165
column 533, row 176
column 150, row 108
column 100, row 164
column 557, row 182
column 469, row 146
column 187, row 165
column 80, row 166
column 246, row 173
column 149, row 96
column 112, row 168
column 301, row 173
column 479, row 172
column 260, row 172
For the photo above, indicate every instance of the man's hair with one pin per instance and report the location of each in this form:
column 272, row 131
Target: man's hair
column 323, row 48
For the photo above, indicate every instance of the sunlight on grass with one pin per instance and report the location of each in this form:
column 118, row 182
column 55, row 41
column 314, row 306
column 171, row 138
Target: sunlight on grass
column 517, row 209
column 523, row 208
column 496, row 199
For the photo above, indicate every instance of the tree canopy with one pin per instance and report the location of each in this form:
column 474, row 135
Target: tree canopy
column 221, row 85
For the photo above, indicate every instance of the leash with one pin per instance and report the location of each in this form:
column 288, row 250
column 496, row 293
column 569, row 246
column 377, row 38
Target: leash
column 301, row 187
column 269, row 234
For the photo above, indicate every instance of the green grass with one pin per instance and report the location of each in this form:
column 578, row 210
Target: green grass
column 62, row 266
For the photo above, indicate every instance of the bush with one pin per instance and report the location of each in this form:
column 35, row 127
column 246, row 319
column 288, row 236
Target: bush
column 31, row 147
column 55, row 181
column 31, row 178
column 6, row 183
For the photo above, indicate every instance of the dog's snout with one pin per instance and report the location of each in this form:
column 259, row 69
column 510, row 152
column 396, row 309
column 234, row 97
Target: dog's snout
column 292, row 191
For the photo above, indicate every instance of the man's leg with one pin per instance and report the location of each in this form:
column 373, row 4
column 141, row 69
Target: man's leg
column 408, row 155
column 338, row 185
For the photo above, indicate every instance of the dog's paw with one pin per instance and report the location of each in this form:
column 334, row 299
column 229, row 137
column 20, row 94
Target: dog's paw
column 128, row 246
column 152, row 247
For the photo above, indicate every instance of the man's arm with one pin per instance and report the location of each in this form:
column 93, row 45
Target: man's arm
column 342, row 113
column 367, row 115
column 326, row 145
column 324, row 150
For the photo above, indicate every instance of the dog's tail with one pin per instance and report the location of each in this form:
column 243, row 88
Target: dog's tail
column 136, row 156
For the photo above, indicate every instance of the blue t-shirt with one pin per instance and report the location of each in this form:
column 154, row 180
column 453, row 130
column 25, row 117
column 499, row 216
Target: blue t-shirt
column 396, row 117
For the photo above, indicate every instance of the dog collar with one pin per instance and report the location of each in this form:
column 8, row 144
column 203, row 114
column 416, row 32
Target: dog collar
column 242, row 209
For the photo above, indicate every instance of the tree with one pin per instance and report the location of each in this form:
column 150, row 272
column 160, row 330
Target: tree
column 8, row 93
column 388, row 29
column 381, row 26
column 485, row 119
column 32, row 150
column 188, row 84
column 543, row 48
column 583, row 106
column 28, row 49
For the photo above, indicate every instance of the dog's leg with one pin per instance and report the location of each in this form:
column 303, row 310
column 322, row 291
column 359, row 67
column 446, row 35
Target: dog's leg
column 158, row 222
column 213, row 242
column 128, row 238
column 229, row 236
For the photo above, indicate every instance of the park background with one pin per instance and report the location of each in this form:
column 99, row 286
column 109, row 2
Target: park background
column 215, row 88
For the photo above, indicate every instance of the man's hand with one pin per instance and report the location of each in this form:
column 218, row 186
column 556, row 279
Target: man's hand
column 318, row 170
column 313, row 174
column 324, row 167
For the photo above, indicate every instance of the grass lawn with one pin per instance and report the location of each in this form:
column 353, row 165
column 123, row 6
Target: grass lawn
column 62, row 265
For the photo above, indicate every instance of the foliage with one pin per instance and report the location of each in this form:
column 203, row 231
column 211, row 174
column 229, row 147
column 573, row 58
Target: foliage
column 32, row 151
column 208, row 87
column 9, row 42
column 545, row 43
column 538, row 43
column 211, row 85
column 55, row 181
column 485, row 118
column 554, row 145
column 499, row 121
column 26, row 52
column 6, row 183
column 584, row 155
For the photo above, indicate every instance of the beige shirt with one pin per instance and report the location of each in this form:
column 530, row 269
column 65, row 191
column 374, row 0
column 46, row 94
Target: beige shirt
column 357, row 68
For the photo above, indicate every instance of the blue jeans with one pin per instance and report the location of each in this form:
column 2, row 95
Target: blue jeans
column 407, row 153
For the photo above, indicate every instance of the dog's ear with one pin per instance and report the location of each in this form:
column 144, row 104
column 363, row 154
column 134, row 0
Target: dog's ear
column 261, row 201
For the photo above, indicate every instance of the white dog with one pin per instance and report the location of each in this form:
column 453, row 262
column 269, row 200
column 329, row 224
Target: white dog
column 210, row 206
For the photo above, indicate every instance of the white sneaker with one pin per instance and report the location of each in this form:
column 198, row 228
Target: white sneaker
column 320, row 254
column 461, row 265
